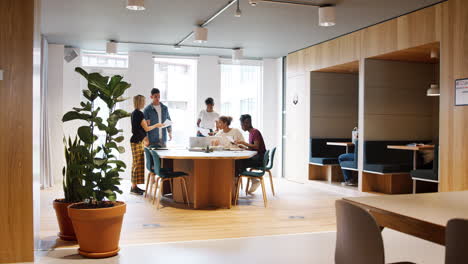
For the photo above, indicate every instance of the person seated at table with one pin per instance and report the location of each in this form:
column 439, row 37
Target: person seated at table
column 256, row 143
column 207, row 118
column 228, row 135
column 347, row 174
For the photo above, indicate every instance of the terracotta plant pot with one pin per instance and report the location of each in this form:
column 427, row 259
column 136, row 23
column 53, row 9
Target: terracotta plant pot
column 98, row 230
column 66, row 227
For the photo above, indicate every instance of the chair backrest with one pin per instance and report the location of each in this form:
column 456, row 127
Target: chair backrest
column 149, row 159
column 272, row 159
column 456, row 248
column 435, row 162
column 266, row 158
column 358, row 238
column 156, row 162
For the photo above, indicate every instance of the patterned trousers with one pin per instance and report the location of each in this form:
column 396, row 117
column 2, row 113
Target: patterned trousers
column 138, row 165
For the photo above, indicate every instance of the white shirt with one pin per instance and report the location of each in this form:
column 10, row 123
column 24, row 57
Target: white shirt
column 233, row 134
column 159, row 111
column 208, row 119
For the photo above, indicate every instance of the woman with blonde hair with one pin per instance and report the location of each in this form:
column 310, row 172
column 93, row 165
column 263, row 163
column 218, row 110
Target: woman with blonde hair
column 228, row 135
column 138, row 139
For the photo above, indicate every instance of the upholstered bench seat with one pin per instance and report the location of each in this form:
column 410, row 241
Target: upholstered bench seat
column 387, row 168
column 324, row 160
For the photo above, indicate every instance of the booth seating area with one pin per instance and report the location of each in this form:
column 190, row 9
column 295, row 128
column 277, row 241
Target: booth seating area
column 427, row 177
column 323, row 161
column 387, row 170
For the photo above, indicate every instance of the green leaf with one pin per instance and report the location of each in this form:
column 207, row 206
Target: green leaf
column 100, row 162
column 118, row 139
column 121, row 149
column 85, row 134
column 120, row 99
column 82, row 72
column 120, row 89
column 114, row 81
column 73, row 115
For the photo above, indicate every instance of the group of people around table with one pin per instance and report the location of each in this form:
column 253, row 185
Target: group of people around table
column 149, row 128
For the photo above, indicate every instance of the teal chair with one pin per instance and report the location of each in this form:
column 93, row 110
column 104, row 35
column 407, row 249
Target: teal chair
column 163, row 175
column 258, row 173
column 149, row 167
column 268, row 169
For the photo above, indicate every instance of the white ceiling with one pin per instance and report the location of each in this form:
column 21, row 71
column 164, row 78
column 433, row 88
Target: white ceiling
column 266, row 31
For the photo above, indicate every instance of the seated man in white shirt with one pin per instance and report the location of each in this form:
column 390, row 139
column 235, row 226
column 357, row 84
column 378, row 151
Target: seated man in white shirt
column 207, row 119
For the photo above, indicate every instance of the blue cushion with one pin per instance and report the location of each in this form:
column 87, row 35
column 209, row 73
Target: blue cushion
column 253, row 173
column 324, row 161
column 424, row 174
column 388, row 168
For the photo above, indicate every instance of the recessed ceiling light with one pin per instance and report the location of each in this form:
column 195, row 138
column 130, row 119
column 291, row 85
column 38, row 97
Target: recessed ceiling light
column 136, row 5
column 201, row 35
column 253, row 2
column 327, row 16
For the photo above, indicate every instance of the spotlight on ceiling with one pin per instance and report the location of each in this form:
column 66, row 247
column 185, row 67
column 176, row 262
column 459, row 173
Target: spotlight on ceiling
column 201, row 35
column 111, row 47
column 434, row 90
column 136, row 5
column 237, row 54
column 253, row 2
column 238, row 11
column 327, row 16
column 177, row 47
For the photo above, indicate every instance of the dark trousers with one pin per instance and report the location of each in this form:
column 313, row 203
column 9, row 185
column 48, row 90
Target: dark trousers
column 347, row 174
column 242, row 165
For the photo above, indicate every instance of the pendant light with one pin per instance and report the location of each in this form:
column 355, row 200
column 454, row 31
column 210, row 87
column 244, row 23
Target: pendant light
column 238, row 11
column 136, row 5
column 237, row 54
column 111, row 47
column 327, row 16
column 201, row 35
column 253, row 2
column 434, row 90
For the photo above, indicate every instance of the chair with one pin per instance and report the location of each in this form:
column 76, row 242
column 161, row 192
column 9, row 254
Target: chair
column 258, row 174
column 164, row 175
column 456, row 248
column 268, row 169
column 430, row 175
column 358, row 237
column 149, row 167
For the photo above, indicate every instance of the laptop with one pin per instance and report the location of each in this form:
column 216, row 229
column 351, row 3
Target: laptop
column 201, row 142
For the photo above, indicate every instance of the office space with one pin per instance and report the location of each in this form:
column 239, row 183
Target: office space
column 417, row 41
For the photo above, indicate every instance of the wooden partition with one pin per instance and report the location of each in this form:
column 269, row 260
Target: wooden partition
column 16, row 138
column 445, row 23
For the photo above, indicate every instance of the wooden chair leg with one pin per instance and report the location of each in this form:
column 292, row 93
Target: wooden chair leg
column 160, row 193
column 152, row 179
column 236, row 199
column 184, row 186
column 241, row 184
column 147, row 184
column 247, row 186
column 156, row 188
column 170, row 184
column 271, row 182
column 263, row 192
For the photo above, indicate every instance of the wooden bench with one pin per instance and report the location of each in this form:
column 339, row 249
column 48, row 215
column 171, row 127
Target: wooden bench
column 387, row 183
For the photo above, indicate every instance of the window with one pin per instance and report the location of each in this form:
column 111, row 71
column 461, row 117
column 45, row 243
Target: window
column 91, row 59
column 176, row 79
column 241, row 87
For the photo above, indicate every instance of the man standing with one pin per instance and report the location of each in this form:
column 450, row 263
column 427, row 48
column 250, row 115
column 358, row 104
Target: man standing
column 155, row 113
column 256, row 143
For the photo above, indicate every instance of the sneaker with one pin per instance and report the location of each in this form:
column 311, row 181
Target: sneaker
column 349, row 183
column 136, row 191
column 140, row 190
column 254, row 186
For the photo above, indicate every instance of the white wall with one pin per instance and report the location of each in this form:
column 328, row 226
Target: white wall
column 55, row 108
column 208, row 82
column 272, row 104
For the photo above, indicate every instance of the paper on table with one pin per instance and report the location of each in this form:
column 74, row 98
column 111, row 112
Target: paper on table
column 205, row 132
column 167, row 123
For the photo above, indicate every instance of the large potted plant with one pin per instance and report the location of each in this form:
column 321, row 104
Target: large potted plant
column 98, row 219
column 72, row 187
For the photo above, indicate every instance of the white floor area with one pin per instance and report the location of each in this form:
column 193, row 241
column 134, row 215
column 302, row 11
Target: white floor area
column 298, row 249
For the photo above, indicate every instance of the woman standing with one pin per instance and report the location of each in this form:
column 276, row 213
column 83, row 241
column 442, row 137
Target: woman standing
column 139, row 129
column 228, row 135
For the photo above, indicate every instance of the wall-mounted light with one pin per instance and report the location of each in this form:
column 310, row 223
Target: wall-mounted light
column 327, row 16
column 111, row 47
column 136, row 5
column 434, row 53
column 201, row 35
column 434, row 90
column 237, row 54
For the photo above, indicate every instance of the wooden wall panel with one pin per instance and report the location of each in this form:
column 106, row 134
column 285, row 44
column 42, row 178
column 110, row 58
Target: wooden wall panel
column 417, row 28
column 453, row 119
column 16, row 91
column 380, row 39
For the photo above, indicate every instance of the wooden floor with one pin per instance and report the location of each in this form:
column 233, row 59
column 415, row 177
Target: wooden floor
column 297, row 208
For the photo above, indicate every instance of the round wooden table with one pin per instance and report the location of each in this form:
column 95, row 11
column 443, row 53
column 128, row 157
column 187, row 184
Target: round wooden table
column 211, row 180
